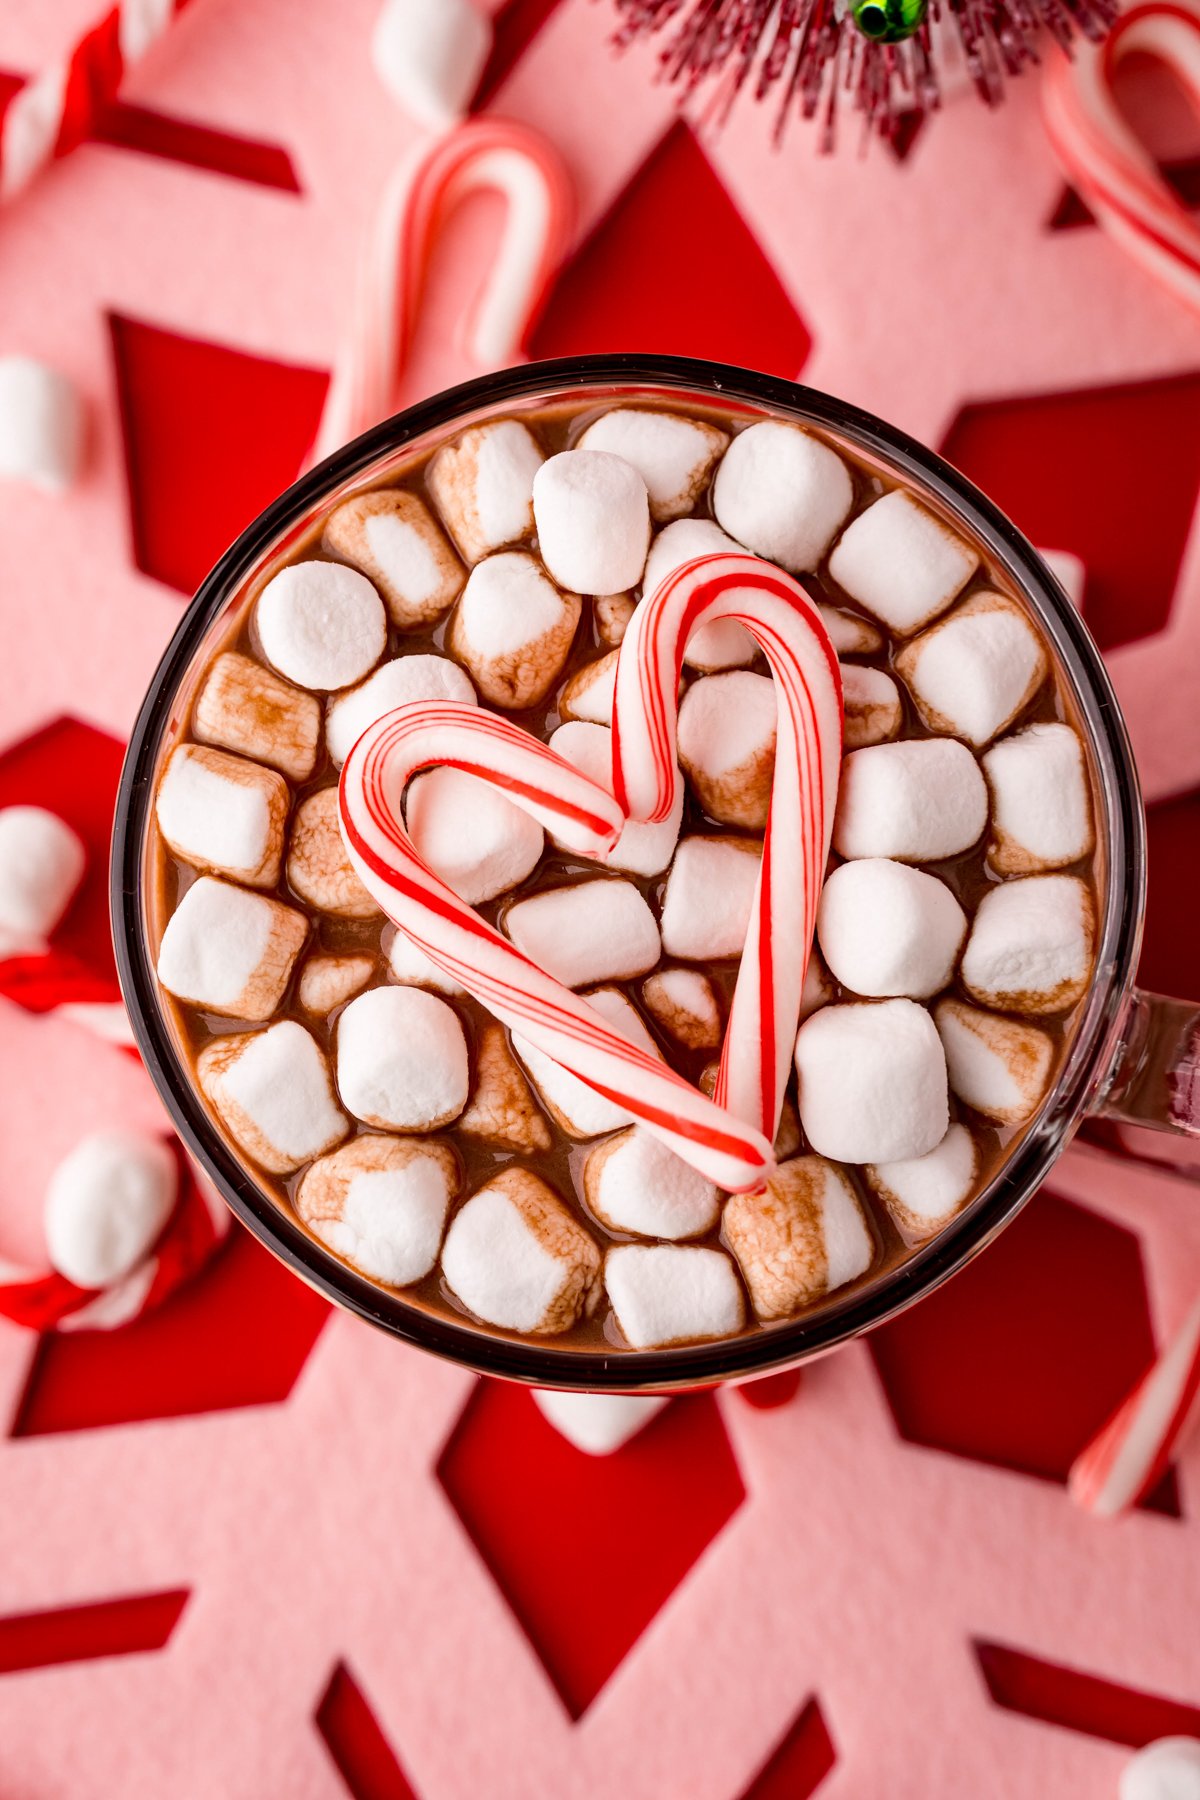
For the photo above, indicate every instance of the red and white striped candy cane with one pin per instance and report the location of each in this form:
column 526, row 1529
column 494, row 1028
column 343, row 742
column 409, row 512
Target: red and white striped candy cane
column 1128, row 1458
column 1104, row 158
column 51, row 981
column 482, row 155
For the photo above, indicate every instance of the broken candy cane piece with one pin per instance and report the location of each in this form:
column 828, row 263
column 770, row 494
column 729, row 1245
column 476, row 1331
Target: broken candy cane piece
column 1128, row 1458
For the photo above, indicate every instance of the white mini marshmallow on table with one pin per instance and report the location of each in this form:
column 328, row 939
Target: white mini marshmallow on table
column 974, row 671
column 513, row 628
column 43, row 424
column 588, row 696
column 682, row 1001
column 708, row 897
column 328, row 980
column 1168, row 1769
column 727, row 745
column 230, row 951
column 1030, row 948
column 672, row 455
column 874, row 711
column 593, row 521
column 242, row 706
column 107, row 1203
column 517, row 1258
column 412, row 967
column 598, row 1424
column 402, row 1060
column 223, row 813
column 41, row 865
column 633, row 1183
column 429, row 55
column 916, row 801
column 640, row 849
column 597, row 930
column 999, row 1066
column 501, row 1111
column 724, row 644
column 319, row 869
column 672, row 1294
column 923, row 1193
column 782, row 493
column 381, row 1202
column 1041, row 806
column 477, row 841
column 872, row 1082
column 392, row 539
column 400, row 682
column 578, row 1109
column 273, row 1092
column 482, row 485
column 320, row 624
column 799, row 1237
column 612, row 613
column 901, row 563
column 887, row 930
column 850, row 635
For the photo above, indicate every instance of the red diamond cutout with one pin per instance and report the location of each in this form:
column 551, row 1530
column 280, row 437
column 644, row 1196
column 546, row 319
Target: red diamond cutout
column 362, row 1755
column 1042, row 1690
column 801, row 1762
column 79, row 1633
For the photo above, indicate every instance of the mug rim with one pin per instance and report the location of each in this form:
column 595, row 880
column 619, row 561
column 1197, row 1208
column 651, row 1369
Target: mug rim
column 765, row 1348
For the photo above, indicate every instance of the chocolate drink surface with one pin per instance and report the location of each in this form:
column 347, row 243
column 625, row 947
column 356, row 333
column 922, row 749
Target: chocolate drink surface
column 441, row 1155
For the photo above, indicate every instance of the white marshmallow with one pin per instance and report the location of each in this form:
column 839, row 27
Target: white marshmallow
column 640, row 849
column 517, row 1258
column 390, row 538
column 727, row 745
column 872, row 1082
column 1166, row 1770
column 684, row 1004
column 502, row 1111
column 599, row 930
column 106, row 1204
column 381, row 1203
column 673, row 456
column 429, row 55
column 513, row 629
column 229, row 951
column 598, row 1424
column 672, row 1294
column 612, row 613
column 327, row 981
column 917, row 801
column 724, row 644
column 901, row 563
column 272, row 1091
column 412, row 967
column 41, row 865
column 799, row 1237
column 1069, row 572
column 782, row 493
column 398, row 683
column 43, row 424
column 593, row 521
column 319, row 869
column 577, row 1108
column 818, row 988
column 1030, row 948
column 402, row 1060
column 634, row 1183
column 482, row 485
column 850, row 635
column 887, row 930
column 874, row 712
column 1000, row 1067
column 707, row 900
column 588, row 696
column 1041, row 806
column 244, row 707
column 976, row 670
column 223, row 813
column 924, row 1193
column 321, row 624
column 469, row 834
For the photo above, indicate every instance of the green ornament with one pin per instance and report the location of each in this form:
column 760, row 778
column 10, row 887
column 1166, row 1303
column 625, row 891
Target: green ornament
column 888, row 21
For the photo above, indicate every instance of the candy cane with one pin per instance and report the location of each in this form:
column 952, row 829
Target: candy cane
column 1127, row 1459
column 1104, row 158
column 481, row 155
column 49, row 981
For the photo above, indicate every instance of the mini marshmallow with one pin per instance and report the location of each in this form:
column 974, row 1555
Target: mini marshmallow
column 850, row 635
column 271, row 1089
column 1069, row 572
column 318, row 867
column 873, row 709
column 321, row 624
column 1041, row 806
column 640, row 849
column 43, row 424
column 600, row 930
column 41, row 865
column 634, row 1183
column 901, row 563
column 707, row 900
column 429, row 55
column 1030, row 948
column 917, row 801
column 673, row 456
column 799, row 1237
column 223, row 813
column 106, row 1205
column 230, row 951
column 402, row 1060
column 328, row 981
column 598, row 1424
column 381, row 1203
column 398, row 683
column 672, row 1294
column 593, row 521
column 575, row 1107
column 1168, row 1769
column 724, row 644
column 1001, row 1067
column 588, row 696
column 243, row 706
column 517, row 1258
column 482, row 485
column 612, row 613
column 782, row 493
column 727, row 745
column 976, row 670
column 412, row 967
column 502, row 1111
column 390, row 537
column 469, row 834
column 818, row 988
column 872, row 1082
column 924, row 1193
column 887, row 930
column 513, row 629
column 684, row 1004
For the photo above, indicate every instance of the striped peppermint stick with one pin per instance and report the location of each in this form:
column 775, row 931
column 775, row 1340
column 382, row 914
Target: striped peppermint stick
column 1128, row 1458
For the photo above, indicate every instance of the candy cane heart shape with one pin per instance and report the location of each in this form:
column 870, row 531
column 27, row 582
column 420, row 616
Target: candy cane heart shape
column 787, row 627
column 587, row 820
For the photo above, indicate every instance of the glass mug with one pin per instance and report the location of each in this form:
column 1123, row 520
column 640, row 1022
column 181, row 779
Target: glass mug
column 1132, row 1056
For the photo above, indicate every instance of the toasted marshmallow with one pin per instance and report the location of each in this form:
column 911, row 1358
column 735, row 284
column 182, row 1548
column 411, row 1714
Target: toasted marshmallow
column 724, row 644
column 318, row 867
column 320, row 624
column 887, row 930
column 917, row 801
column 575, row 1107
column 390, row 537
column 672, row 1294
column 106, row 1204
column 727, row 745
column 1168, row 1769
column 402, row 1060
column 598, row 1424
column 901, row 563
column 707, row 900
column 818, row 988
column 328, row 981
column 1001, row 1067
column 272, row 1091
column 1030, row 948
column 588, row 696
column 381, row 1203
column 684, row 1004
column 782, row 493
column 612, row 613
column 850, row 635
column 924, row 1193
column 513, row 629
column 1041, row 807
column 223, row 813
column 230, row 951
column 799, row 1237
column 41, row 865
column 244, row 707
column 634, row 1183
column 593, row 521
column 599, row 930
column 43, row 425
column 872, row 1082
column 673, row 456
column 517, row 1258
column 482, row 485
column 502, row 1111
column 398, row 683
column 412, row 967
column 429, row 55
column 873, row 709
column 972, row 673
column 469, row 834
column 640, row 849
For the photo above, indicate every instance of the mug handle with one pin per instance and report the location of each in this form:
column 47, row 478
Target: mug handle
column 1156, row 1080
